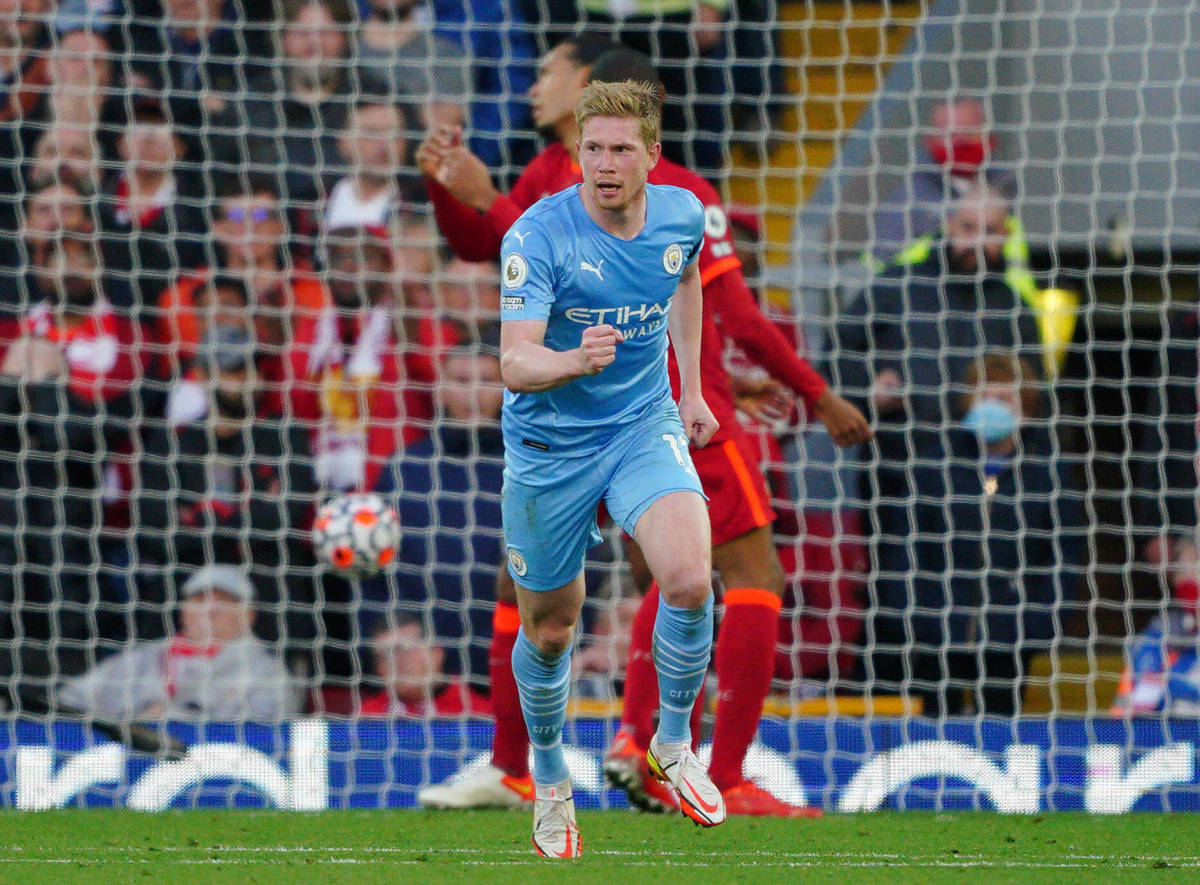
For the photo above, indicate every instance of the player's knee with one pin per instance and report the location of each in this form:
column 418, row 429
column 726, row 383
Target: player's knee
column 686, row 587
column 553, row 638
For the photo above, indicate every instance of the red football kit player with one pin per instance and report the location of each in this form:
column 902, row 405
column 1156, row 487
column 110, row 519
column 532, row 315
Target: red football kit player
column 739, row 504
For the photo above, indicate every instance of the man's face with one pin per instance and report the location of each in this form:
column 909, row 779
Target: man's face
column 557, row 88
column 214, row 616
column 65, row 152
column 615, row 161
column 976, row 232
column 54, row 209
column 469, row 291
column 375, row 140
column 313, row 43
column 358, row 271
column 81, row 62
column 149, row 147
column 469, row 389
column 250, row 229
column 408, row 663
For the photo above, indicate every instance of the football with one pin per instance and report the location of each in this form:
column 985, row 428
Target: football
column 356, row 535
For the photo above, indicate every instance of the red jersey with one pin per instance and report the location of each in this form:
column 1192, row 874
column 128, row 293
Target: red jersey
column 476, row 237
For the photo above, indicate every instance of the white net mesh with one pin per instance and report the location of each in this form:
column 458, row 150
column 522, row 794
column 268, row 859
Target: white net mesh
column 191, row 189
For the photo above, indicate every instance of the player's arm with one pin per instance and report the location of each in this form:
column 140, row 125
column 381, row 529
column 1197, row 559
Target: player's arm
column 686, row 319
column 744, row 322
column 528, row 366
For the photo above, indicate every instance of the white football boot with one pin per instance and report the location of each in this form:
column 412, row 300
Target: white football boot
column 487, row 787
column 555, row 833
column 677, row 765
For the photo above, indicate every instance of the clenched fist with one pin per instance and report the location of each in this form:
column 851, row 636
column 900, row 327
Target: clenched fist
column 598, row 347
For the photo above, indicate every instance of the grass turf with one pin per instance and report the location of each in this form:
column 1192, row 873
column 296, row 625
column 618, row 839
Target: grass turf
column 97, row 846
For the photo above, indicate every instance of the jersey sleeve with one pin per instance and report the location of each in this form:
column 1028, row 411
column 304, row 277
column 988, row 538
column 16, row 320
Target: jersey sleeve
column 527, row 273
column 718, row 255
column 695, row 216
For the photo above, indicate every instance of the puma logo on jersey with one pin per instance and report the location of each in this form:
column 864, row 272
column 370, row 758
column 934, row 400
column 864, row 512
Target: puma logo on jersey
column 520, row 236
column 594, row 268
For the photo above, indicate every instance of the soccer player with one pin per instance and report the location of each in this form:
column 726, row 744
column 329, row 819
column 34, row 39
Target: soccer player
column 593, row 276
column 474, row 216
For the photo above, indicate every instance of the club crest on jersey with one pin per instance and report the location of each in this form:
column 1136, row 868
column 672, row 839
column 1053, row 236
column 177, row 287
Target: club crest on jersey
column 673, row 258
column 516, row 271
column 517, row 562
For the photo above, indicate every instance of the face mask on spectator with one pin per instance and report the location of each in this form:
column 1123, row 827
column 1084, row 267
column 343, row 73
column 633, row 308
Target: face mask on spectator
column 964, row 156
column 992, row 419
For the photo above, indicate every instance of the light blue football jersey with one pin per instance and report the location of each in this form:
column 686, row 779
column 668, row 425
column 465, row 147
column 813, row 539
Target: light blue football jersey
column 560, row 267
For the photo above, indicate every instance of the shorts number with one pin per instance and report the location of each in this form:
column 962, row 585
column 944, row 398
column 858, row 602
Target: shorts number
column 678, row 445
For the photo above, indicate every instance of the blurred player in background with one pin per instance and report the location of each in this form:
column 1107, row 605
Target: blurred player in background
column 593, row 276
column 743, row 552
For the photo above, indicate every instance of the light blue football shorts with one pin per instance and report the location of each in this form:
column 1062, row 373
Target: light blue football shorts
column 549, row 525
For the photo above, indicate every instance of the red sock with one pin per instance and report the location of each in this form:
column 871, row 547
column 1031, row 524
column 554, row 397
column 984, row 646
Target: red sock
column 641, row 679
column 510, row 744
column 745, row 661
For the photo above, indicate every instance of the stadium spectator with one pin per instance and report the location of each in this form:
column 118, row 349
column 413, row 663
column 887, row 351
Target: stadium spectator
column 468, row 295
column 498, row 43
column 295, row 112
column 249, row 244
column 52, row 209
column 84, row 91
column 349, row 380
column 233, row 484
column 410, row 665
column 198, row 55
column 68, row 390
column 69, row 153
column 1162, row 673
column 958, row 155
column 220, row 311
column 375, row 148
column 24, row 76
column 446, row 489
column 986, row 579
column 151, row 222
column 400, row 56
column 213, row 668
column 900, row 350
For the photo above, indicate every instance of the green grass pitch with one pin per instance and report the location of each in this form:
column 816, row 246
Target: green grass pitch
column 100, row 846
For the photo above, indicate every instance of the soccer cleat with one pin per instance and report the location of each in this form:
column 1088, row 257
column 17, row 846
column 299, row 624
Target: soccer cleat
column 699, row 797
column 489, row 787
column 749, row 798
column 625, row 767
column 555, row 833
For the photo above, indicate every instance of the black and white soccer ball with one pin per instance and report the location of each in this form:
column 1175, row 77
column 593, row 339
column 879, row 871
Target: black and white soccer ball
column 356, row 534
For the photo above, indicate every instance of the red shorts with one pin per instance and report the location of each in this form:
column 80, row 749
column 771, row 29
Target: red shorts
column 738, row 500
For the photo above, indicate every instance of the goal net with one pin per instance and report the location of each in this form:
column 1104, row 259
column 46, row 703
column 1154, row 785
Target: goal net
column 226, row 297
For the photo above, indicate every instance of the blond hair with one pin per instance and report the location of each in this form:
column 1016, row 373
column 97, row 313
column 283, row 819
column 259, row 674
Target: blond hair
column 628, row 98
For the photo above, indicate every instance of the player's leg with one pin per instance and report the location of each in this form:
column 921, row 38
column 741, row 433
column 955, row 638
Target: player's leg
column 505, row 782
column 674, row 536
column 547, row 529
column 625, row 763
column 541, row 665
column 745, row 661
